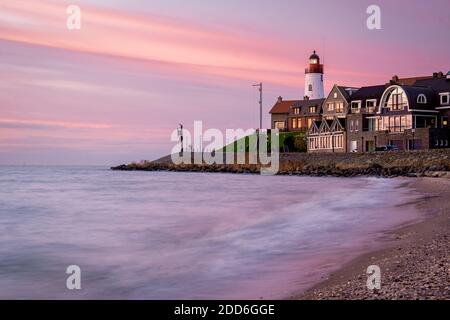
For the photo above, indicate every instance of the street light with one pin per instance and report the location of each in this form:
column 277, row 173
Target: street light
column 180, row 134
column 260, row 88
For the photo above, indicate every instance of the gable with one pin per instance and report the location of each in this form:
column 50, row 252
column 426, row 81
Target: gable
column 324, row 127
column 337, row 126
column 314, row 129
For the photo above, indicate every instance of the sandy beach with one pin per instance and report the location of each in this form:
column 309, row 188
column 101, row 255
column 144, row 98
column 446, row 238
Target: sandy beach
column 414, row 261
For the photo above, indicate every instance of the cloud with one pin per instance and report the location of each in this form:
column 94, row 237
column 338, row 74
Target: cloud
column 42, row 124
column 148, row 37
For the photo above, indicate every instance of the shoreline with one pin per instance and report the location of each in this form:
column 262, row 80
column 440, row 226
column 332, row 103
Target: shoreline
column 414, row 258
column 428, row 163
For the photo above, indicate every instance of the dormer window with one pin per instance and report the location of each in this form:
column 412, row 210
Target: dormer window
column 370, row 105
column 312, row 109
column 397, row 100
column 356, row 106
column 421, row 99
column 445, row 98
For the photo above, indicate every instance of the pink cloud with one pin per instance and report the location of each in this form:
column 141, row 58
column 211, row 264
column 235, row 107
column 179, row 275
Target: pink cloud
column 43, row 123
column 143, row 37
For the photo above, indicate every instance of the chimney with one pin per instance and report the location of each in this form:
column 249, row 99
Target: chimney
column 305, row 98
column 440, row 74
column 280, row 99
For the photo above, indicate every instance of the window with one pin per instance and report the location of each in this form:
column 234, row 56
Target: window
column 294, row 123
column 335, row 95
column 397, row 100
column 339, row 107
column 372, row 124
column 357, row 125
column 279, row 125
column 299, row 123
column 330, row 106
column 312, row 109
column 296, row 110
column 310, row 88
column 421, row 99
column 352, row 126
column 397, row 123
column 425, row 122
column 356, row 106
column 445, row 98
column 370, row 105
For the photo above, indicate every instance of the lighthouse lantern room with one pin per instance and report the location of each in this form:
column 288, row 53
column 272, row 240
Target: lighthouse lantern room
column 314, row 78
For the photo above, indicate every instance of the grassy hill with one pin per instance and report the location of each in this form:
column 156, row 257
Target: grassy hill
column 288, row 142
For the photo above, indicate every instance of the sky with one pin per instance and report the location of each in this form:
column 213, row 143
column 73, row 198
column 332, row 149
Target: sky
column 113, row 91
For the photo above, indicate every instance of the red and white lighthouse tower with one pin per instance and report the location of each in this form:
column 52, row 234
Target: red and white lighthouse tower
column 314, row 78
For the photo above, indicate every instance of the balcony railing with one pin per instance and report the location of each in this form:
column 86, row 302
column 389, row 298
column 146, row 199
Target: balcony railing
column 370, row 109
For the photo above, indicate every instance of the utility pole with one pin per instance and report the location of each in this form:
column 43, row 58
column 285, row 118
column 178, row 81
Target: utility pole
column 260, row 88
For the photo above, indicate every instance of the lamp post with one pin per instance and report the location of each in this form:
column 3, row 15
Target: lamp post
column 260, row 89
column 180, row 134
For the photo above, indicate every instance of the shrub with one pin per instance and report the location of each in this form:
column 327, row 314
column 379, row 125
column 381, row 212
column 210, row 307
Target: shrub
column 300, row 143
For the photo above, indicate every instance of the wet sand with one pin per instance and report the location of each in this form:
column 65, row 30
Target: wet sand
column 414, row 262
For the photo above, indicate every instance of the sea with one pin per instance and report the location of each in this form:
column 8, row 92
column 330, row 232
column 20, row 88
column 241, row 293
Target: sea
column 167, row 235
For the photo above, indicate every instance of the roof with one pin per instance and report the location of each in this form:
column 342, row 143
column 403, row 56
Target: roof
column 414, row 91
column 411, row 81
column 314, row 56
column 439, row 85
column 305, row 104
column 283, row 106
column 371, row 92
column 344, row 91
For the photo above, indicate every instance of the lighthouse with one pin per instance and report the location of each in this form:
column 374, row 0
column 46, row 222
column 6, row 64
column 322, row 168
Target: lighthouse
column 314, row 78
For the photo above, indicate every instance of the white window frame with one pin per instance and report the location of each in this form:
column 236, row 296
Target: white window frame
column 442, row 95
column 359, row 102
column 371, row 100
column 422, row 99
column 374, row 104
